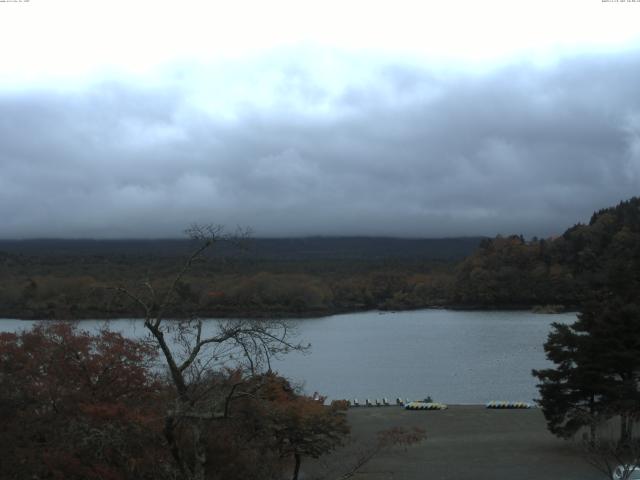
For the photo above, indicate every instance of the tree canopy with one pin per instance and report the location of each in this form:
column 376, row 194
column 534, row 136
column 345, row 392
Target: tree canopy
column 565, row 270
column 76, row 405
column 597, row 358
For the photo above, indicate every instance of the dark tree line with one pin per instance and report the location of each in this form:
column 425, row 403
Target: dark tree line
column 504, row 272
column 565, row 270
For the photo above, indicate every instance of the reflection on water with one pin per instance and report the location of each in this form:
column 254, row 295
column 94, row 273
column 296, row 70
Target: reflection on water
column 453, row 356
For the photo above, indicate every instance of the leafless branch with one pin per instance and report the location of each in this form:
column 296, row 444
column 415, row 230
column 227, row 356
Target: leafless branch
column 189, row 349
column 606, row 453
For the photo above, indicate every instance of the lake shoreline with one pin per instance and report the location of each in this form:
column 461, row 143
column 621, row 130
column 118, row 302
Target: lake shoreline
column 261, row 314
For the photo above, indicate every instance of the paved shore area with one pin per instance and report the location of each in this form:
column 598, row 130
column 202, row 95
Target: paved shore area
column 466, row 442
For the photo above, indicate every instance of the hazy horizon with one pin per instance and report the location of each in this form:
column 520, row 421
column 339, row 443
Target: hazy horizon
column 185, row 238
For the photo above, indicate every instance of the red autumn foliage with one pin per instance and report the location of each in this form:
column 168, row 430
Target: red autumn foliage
column 78, row 406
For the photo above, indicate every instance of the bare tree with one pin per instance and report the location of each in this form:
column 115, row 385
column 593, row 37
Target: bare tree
column 194, row 352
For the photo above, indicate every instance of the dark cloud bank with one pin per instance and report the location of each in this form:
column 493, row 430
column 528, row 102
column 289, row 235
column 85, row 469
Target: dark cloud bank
column 411, row 152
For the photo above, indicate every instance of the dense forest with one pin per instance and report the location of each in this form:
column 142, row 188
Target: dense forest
column 317, row 276
column 64, row 279
column 561, row 271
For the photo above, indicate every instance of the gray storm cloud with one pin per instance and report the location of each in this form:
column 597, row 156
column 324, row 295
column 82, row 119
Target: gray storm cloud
column 398, row 150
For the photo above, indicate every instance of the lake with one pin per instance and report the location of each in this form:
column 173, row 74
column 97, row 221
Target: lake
column 458, row 357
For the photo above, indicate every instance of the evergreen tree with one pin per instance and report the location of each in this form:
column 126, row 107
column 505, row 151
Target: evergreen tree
column 597, row 372
column 571, row 393
column 613, row 326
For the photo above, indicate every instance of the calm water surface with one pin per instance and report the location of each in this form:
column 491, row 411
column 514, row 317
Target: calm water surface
column 453, row 356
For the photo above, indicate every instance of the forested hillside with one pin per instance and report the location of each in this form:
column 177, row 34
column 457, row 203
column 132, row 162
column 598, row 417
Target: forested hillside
column 510, row 271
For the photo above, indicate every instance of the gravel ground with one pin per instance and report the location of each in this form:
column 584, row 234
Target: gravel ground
column 463, row 442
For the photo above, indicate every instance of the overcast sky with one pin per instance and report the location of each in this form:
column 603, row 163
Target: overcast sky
column 134, row 119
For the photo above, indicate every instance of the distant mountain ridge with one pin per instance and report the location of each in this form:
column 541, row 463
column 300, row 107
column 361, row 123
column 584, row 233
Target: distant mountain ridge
column 306, row 248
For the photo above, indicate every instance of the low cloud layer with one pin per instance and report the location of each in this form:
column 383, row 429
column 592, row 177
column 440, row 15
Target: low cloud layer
column 324, row 145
